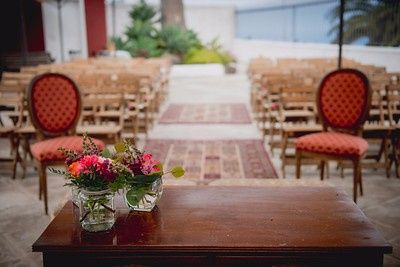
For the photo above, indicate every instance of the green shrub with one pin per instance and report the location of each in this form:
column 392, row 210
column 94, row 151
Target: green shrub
column 119, row 43
column 143, row 39
column 140, row 29
column 177, row 40
column 226, row 57
column 202, row 56
column 142, row 11
column 145, row 47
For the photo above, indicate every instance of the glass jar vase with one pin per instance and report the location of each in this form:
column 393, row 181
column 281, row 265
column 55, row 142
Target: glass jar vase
column 142, row 196
column 75, row 195
column 96, row 210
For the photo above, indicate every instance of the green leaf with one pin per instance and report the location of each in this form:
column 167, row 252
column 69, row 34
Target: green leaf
column 160, row 167
column 177, row 171
column 106, row 153
column 134, row 195
column 118, row 183
column 119, row 147
column 146, row 179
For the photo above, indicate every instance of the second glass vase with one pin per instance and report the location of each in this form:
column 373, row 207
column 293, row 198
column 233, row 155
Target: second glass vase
column 143, row 197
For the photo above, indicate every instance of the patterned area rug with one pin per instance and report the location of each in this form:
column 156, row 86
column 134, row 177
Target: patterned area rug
column 206, row 161
column 206, row 113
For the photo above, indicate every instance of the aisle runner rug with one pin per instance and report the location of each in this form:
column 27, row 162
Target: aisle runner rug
column 205, row 161
column 206, row 113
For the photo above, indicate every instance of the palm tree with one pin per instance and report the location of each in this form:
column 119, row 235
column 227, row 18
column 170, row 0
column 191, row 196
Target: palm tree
column 377, row 20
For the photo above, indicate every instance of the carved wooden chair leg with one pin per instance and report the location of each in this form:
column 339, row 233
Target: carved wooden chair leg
column 356, row 167
column 23, row 164
column 27, row 153
column 43, row 184
column 38, row 167
column 360, row 181
column 298, row 164
column 322, row 169
column 26, row 143
column 386, row 155
column 328, row 175
column 17, row 157
column 44, row 187
column 341, row 170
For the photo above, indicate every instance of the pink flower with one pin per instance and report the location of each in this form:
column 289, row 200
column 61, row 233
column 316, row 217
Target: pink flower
column 149, row 165
column 90, row 163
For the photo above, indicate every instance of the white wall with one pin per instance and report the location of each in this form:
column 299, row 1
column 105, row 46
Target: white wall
column 212, row 21
column 388, row 57
column 208, row 21
column 122, row 18
column 74, row 28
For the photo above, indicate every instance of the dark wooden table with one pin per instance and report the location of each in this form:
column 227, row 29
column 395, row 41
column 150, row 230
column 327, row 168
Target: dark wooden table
column 223, row 226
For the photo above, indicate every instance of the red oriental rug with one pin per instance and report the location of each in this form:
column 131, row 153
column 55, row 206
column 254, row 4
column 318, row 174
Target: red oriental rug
column 206, row 113
column 205, row 161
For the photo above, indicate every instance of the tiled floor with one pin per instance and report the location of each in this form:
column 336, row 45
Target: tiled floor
column 22, row 217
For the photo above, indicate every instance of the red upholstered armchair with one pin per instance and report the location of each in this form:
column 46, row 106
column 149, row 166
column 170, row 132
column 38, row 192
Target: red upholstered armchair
column 54, row 106
column 343, row 102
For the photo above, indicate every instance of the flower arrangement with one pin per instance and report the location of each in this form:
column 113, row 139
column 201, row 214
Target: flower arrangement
column 90, row 170
column 122, row 167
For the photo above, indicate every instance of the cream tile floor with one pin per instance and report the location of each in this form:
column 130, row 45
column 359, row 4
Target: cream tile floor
column 22, row 217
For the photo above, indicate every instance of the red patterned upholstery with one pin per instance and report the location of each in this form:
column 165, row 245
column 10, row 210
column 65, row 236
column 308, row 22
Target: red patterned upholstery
column 343, row 98
column 47, row 150
column 334, row 144
column 55, row 103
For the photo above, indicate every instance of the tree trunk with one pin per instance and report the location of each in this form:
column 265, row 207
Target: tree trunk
column 172, row 13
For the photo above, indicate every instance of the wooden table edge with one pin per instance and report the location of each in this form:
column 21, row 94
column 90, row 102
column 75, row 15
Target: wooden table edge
column 385, row 249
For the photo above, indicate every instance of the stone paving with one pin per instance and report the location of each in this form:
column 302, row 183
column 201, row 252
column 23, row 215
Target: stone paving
column 22, row 217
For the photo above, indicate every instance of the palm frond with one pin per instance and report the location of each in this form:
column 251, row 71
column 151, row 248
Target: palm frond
column 378, row 20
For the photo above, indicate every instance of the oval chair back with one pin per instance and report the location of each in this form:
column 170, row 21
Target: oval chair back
column 54, row 103
column 343, row 100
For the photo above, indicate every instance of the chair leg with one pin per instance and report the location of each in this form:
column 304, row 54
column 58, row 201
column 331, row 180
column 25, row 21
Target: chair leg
column 17, row 156
column 283, row 152
column 298, row 164
column 385, row 145
column 360, row 180
column 328, row 175
column 43, row 184
column 271, row 135
column 27, row 153
column 322, row 167
column 341, row 170
column 356, row 164
column 45, row 190
column 39, row 170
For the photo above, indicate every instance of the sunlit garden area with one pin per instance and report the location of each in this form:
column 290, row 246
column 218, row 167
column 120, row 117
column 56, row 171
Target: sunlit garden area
column 204, row 133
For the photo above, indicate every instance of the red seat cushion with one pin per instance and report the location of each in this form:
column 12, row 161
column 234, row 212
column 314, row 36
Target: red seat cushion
column 47, row 150
column 335, row 144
